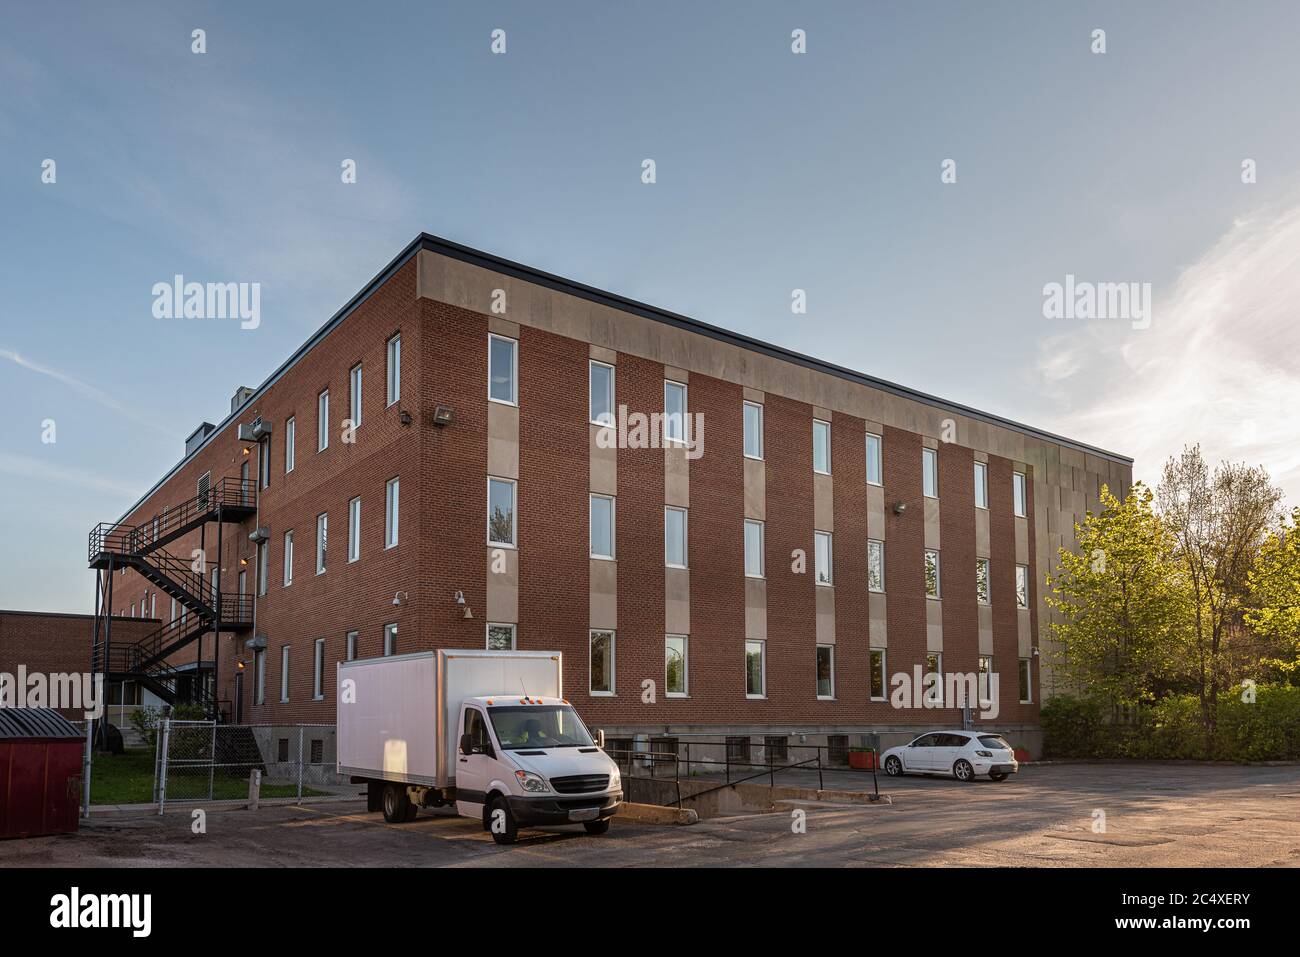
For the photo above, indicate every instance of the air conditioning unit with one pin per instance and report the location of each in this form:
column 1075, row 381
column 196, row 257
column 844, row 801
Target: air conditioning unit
column 259, row 536
column 246, row 433
column 261, row 429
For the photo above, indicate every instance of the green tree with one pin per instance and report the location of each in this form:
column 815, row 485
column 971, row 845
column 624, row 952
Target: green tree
column 1274, row 585
column 1120, row 598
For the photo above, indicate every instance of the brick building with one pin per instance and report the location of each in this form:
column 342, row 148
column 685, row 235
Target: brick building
column 434, row 468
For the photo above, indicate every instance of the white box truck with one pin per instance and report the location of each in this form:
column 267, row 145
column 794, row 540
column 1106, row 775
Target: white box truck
column 486, row 731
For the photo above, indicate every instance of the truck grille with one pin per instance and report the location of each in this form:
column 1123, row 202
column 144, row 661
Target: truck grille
column 580, row 783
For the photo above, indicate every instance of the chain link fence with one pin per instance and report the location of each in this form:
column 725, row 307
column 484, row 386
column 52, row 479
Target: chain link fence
column 207, row 761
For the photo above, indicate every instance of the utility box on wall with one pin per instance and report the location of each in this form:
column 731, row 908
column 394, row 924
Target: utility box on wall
column 40, row 773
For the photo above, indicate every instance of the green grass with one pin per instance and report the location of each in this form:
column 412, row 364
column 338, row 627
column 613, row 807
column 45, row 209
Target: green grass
column 128, row 779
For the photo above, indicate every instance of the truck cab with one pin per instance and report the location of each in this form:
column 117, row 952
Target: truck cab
column 524, row 761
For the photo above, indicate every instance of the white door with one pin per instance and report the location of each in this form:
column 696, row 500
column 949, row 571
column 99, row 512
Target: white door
column 917, row 755
column 472, row 768
column 944, row 754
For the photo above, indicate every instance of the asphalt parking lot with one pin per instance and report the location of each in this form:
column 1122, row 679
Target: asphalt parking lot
column 1154, row 815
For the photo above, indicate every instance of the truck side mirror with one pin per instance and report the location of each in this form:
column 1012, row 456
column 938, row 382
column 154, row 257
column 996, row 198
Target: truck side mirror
column 600, row 738
column 466, row 747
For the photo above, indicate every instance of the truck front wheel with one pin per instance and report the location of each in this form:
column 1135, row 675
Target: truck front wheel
column 398, row 808
column 501, row 822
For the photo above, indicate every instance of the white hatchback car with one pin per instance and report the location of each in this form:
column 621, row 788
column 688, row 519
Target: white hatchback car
column 963, row 754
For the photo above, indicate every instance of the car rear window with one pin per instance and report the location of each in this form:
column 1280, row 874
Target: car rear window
column 994, row 741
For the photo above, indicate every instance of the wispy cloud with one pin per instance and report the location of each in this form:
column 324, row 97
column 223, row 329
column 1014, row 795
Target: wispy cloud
column 87, row 390
column 1220, row 364
column 36, row 470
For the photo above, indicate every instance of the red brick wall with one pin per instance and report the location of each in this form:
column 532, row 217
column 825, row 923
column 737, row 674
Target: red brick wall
column 904, row 553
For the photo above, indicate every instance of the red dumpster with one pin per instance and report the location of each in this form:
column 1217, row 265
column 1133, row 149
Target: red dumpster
column 40, row 772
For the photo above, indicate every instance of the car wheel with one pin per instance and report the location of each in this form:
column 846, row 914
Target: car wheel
column 596, row 827
column 398, row 808
column 998, row 776
column 506, row 832
column 963, row 770
column 893, row 766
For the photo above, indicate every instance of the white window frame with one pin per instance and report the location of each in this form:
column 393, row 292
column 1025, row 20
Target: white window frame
column 929, row 472
column 613, row 661
column 288, row 558
column 318, row 670
column 686, row 666
column 322, row 420
column 884, row 674
column 350, row 642
column 263, row 568
column 1022, row 578
column 290, row 434
column 987, row 598
column 983, row 686
column 677, row 437
column 259, row 676
column 393, row 358
column 685, row 562
column 762, row 561
column 390, row 639
column 514, row 512
column 354, row 395
column 514, row 370
column 322, row 540
column 392, row 503
column 938, row 575
column 762, row 651
column 745, row 432
column 487, row 635
column 591, row 386
column 830, row 559
column 1019, row 494
column 354, row 529
column 284, row 673
column 820, row 696
column 592, row 498
column 826, row 430
column 880, row 459
column 982, row 485
column 880, row 548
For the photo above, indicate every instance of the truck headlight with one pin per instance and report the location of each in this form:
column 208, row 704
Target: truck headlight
column 531, row 782
column 615, row 779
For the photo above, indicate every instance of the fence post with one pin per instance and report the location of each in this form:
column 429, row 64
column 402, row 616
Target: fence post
column 162, row 775
column 300, row 737
column 821, row 783
column 86, row 769
column 212, row 763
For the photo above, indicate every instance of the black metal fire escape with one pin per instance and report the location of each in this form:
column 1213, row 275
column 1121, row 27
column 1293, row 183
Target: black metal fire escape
column 206, row 609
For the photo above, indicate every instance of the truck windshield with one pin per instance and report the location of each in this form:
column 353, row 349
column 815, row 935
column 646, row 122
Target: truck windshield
column 539, row 726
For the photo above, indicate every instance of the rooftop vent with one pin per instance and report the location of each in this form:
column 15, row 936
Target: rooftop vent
column 242, row 395
column 197, row 436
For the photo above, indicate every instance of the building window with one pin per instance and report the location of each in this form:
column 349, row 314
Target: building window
column 825, row 671
column 602, row 526
column 753, row 430
column 354, row 529
column 1026, row 687
column 323, row 421
column 284, row 673
column 985, row 669
column 674, row 537
column 1022, row 586
column 501, row 512
column 930, row 472
column 173, row 611
column 982, row 580
column 500, row 637
column 875, row 464
column 244, row 497
column 875, row 565
column 204, row 486
column 934, row 664
column 877, row 674
column 600, row 393
column 318, row 670
column 674, row 411
column 822, row 557
column 390, row 640
column 753, row 549
column 263, row 463
column 675, row 665
column 602, row 663
column 288, row 559
column 1018, row 493
column 290, row 430
column 755, row 669
column 351, row 644
column 821, row 447
column 259, row 676
column 394, row 369
column 354, row 395
column 322, row 529
column 262, row 575
column 503, row 368
column 931, row 573
column 391, row 493
column 981, row 485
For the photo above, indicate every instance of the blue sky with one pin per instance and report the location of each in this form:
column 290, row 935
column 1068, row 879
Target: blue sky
column 775, row 171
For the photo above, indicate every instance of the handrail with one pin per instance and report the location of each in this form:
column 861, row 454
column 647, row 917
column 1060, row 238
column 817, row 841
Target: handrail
column 147, row 536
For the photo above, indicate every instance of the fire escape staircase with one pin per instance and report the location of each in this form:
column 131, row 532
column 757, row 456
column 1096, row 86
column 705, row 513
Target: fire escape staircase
column 140, row 547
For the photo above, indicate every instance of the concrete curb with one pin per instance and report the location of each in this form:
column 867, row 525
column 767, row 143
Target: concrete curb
column 656, row 814
column 226, row 804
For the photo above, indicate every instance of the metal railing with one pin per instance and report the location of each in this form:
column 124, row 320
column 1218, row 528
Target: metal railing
column 156, row 531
